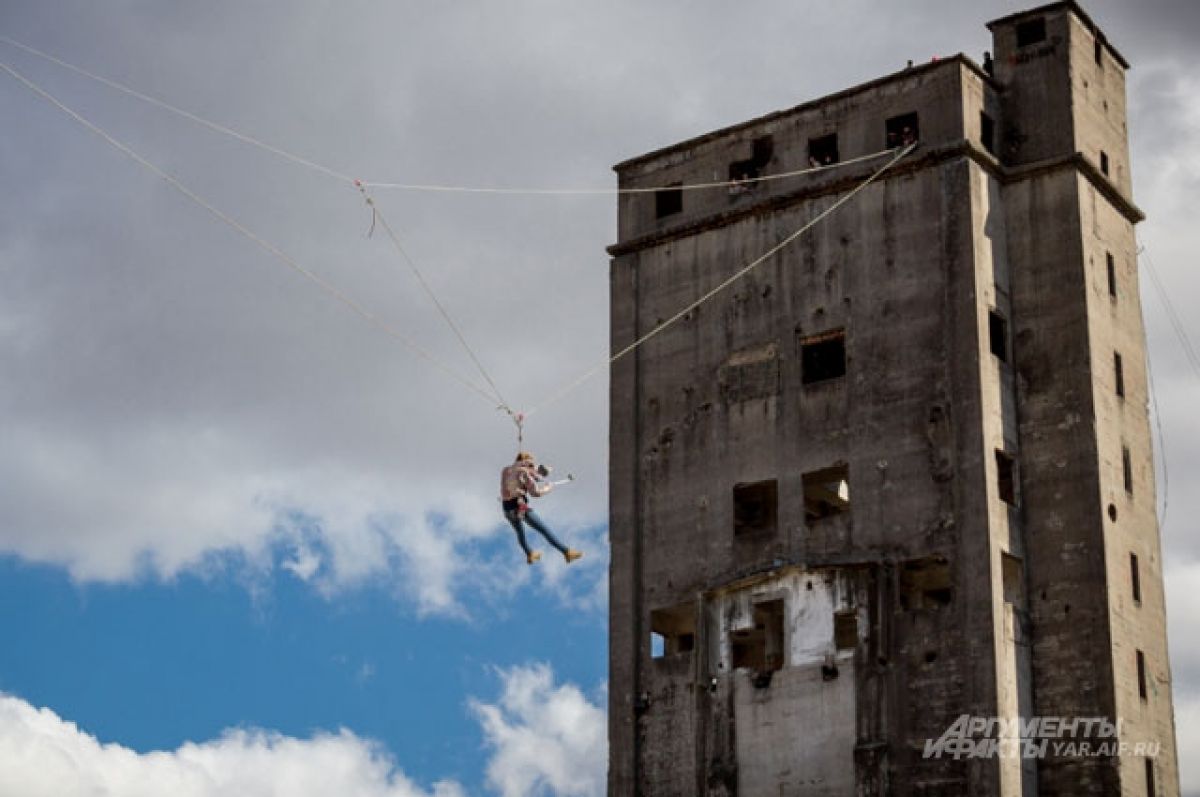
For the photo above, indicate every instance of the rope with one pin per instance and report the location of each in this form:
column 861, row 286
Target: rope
column 325, row 286
column 1185, row 341
column 377, row 214
column 330, row 172
column 722, row 286
column 746, row 182
column 245, row 139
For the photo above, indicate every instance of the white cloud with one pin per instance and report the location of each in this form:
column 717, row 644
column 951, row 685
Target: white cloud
column 545, row 738
column 46, row 756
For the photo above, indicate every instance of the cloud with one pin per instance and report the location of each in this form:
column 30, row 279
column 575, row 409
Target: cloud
column 46, row 756
column 544, row 738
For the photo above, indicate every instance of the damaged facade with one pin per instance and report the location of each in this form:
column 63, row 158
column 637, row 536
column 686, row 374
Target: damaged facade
column 902, row 471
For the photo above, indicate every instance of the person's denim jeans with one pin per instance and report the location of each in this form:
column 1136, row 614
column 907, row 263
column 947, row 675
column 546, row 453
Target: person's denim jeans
column 518, row 522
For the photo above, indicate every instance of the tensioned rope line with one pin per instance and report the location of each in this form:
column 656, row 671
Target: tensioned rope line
column 737, row 275
column 321, row 283
column 745, row 182
column 1185, row 341
column 246, row 139
column 1162, row 445
column 331, row 172
column 387, row 228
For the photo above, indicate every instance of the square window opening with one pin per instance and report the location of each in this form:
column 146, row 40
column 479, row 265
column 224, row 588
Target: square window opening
column 1031, row 31
column 826, row 492
column 1135, row 578
column 755, row 507
column 749, row 170
column 987, row 132
column 998, row 335
column 760, row 648
column 823, row 151
column 1006, row 477
column 1111, row 265
column 902, row 130
column 845, row 630
column 673, row 631
column 925, row 584
column 1103, row 162
column 668, row 201
column 823, row 357
column 1118, row 375
column 1141, row 675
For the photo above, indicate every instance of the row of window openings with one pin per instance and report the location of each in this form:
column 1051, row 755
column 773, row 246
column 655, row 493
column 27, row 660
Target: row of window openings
column 759, row 647
column 899, row 131
column 1006, row 477
column 1033, row 31
column 756, row 504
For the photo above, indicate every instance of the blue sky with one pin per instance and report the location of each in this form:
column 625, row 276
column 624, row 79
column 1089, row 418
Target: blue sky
column 235, row 519
column 153, row 665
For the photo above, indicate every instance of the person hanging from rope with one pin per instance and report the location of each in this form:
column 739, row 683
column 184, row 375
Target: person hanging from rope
column 519, row 482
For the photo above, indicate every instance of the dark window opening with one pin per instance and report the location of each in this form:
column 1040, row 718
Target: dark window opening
column 823, row 151
column 747, row 171
column 1103, row 161
column 826, row 492
column 1141, row 673
column 845, row 630
column 1099, row 53
column 902, row 130
column 998, row 335
column 760, row 647
column 1118, row 375
column 1006, row 477
column 1112, row 274
column 925, row 584
column 823, row 356
column 1014, row 583
column 987, row 132
column 673, row 631
column 667, row 202
column 1031, row 31
column 1112, row 512
column 1151, row 791
column 1135, row 578
column 1127, row 469
column 755, row 507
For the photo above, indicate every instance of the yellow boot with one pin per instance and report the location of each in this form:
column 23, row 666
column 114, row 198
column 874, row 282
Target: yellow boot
column 571, row 555
column 533, row 556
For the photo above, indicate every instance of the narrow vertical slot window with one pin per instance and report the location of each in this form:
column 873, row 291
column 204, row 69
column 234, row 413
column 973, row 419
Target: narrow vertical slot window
column 1135, row 578
column 1006, row 477
column 1127, row 469
column 1118, row 375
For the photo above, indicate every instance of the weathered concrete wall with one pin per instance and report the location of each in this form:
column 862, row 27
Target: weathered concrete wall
column 970, row 291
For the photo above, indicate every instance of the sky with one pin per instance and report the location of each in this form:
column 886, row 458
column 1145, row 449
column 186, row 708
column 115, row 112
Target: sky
column 249, row 542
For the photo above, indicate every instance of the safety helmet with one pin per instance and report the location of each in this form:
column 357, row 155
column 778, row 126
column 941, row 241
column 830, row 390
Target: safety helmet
column 524, row 456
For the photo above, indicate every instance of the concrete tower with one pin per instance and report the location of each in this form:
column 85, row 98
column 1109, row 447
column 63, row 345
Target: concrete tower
column 901, row 472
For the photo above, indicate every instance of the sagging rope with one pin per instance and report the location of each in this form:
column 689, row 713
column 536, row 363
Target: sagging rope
column 737, row 275
column 321, row 283
column 339, row 175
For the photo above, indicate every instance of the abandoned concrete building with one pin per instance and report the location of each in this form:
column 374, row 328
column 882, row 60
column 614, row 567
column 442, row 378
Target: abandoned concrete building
column 902, row 471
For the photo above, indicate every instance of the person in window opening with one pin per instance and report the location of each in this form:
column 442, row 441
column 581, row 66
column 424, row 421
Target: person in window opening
column 907, row 136
column 518, row 483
